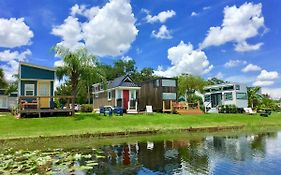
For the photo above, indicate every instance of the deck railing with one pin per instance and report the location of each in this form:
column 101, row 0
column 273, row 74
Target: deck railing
column 44, row 104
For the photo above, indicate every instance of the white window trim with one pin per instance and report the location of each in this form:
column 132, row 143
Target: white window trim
column 109, row 99
column 29, row 90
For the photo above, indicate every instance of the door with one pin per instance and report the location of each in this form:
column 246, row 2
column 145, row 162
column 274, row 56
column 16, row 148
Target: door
column 216, row 99
column 44, row 90
column 125, row 98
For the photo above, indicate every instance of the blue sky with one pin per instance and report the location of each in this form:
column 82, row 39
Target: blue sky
column 235, row 40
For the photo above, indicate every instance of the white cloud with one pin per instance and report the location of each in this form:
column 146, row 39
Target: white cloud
column 251, row 68
column 70, row 32
column 234, row 63
column 245, row 47
column 219, row 75
column 241, row 79
column 163, row 33
column 11, row 60
column 7, row 55
column 161, row 17
column 263, row 83
column 194, row 14
column 82, row 10
column 108, row 31
column 265, row 75
column 58, row 63
column 206, row 8
column 184, row 59
column 239, row 24
column 274, row 93
column 266, row 78
column 14, row 33
column 126, row 58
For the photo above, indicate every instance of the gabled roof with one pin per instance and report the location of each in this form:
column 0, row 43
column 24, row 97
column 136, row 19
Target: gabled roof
column 124, row 81
column 37, row 66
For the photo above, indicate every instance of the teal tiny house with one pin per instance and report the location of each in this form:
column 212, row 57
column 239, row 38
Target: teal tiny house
column 36, row 80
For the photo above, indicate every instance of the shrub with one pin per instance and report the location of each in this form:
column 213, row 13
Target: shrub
column 86, row 108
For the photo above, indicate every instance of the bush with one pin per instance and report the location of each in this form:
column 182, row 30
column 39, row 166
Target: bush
column 86, row 108
column 228, row 109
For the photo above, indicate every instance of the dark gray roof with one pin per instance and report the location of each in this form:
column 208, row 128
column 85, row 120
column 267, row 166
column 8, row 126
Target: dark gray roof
column 120, row 82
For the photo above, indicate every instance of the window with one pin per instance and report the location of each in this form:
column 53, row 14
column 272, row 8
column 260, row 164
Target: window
column 119, row 94
column 207, row 90
column 29, row 89
column 169, row 96
column 228, row 88
column 109, row 95
column 216, row 89
column 237, row 87
column 101, row 87
column 241, row 96
column 228, row 96
column 207, row 98
column 156, row 83
column 133, row 94
column 169, row 83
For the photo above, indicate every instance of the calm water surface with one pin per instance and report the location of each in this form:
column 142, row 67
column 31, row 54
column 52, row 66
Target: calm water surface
column 242, row 154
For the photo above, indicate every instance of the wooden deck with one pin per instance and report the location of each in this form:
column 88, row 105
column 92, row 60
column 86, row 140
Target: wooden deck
column 30, row 105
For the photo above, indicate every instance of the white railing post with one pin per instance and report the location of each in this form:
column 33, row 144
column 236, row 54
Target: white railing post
column 136, row 105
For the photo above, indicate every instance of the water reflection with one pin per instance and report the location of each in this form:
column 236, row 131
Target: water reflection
column 243, row 154
column 246, row 154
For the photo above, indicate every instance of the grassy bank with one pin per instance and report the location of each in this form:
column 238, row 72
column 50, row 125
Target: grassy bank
column 11, row 127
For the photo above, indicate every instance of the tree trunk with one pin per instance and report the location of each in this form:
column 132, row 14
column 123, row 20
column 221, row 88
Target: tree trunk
column 74, row 84
column 88, row 94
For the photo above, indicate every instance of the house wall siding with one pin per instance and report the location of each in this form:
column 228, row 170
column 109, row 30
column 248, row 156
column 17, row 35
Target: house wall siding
column 102, row 99
column 28, row 72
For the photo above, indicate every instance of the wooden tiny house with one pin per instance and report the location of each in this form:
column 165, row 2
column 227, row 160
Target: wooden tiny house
column 121, row 92
column 154, row 92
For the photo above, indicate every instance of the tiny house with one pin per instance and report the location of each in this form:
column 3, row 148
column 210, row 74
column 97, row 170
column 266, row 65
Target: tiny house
column 226, row 94
column 121, row 92
column 36, row 80
column 154, row 92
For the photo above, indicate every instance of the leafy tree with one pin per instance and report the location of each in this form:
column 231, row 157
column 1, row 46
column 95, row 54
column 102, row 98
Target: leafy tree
column 123, row 67
column 214, row 81
column 254, row 98
column 267, row 102
column 144, row 75
column 3, row 82
column 188, row 84
column 12, row 87
column 77, row 64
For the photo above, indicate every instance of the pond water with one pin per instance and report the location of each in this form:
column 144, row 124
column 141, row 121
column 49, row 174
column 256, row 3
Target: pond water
column 241, row 154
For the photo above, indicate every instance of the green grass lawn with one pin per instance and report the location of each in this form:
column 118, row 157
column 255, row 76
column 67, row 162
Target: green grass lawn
column 10, row 127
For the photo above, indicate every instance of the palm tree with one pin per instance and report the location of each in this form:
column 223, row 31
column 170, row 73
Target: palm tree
column 3, row 82
column 253, row 96
column 77, row 64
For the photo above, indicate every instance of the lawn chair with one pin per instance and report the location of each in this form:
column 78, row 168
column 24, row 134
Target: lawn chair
column 249, row 111
column 265, row 113
column 118, row 111
column 148, row 110
column 105, row 111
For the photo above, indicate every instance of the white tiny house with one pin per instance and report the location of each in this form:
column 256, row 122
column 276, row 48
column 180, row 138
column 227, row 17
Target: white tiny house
column 226, row 94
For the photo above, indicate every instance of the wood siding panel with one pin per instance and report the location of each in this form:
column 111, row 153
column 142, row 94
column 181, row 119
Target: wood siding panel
column 102, row 100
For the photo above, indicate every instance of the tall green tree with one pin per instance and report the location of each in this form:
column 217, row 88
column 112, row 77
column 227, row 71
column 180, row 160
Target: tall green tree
column 214, row 81
column 145, row 74
column 3, row 82
column 123, row 67
column 76, row 65
column 254, row 98
column 188, row 84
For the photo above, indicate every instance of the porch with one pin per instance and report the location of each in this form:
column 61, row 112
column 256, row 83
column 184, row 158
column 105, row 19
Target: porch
column 38, row 105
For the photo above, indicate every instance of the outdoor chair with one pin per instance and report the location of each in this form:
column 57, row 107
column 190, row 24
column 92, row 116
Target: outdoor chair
column 249, row 111
column 148, row 110
column 118, row 111
column 105, row 111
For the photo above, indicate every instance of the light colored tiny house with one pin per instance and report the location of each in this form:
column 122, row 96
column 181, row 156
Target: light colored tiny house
column 226, row 94
column 120, row 92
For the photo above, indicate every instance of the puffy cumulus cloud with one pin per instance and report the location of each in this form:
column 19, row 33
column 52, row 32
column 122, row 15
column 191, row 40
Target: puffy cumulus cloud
column 58, row 63
column 161, row 17
column 14, row 33
column 163, row 33
column 112, row 30
column 266, row 78
column 239, row 24
column 70, row 32
column 219, row 75
column 274, row 93
column 234, row 63
column 245, row 47
column 184, row 59
column 251, row 68
column 82, row 10
column 11, row 60
column 241, row 79
column 194, row 14
column 266, row 75
column 108, row 31
column 8, row 55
